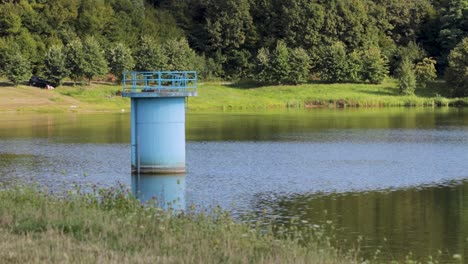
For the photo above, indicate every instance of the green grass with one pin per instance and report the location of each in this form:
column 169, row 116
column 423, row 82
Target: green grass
column 97, row 96
column 219, row 96
column 109, row 226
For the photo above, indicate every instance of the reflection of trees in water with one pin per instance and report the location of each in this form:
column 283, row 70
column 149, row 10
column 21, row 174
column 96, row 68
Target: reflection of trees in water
column 284, row 125
column 76, row 128
column 418, row 220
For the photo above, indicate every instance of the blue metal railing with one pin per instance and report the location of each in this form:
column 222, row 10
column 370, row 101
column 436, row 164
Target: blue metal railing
column 159, row 81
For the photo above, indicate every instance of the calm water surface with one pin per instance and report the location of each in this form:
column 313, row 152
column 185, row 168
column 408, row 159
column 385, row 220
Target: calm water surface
column 398, row 177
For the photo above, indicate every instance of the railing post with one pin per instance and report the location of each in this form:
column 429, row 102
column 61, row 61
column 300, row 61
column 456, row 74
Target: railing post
column 124, row 81
column 185, row 81
column 195, row 77
column 134, row 79
column 159, row 81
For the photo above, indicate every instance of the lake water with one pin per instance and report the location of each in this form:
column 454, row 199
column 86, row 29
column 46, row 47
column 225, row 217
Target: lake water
column 398, row 177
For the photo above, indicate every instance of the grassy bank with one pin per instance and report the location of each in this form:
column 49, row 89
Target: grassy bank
column 218, row 96
column 114, row 228
column 92, row 98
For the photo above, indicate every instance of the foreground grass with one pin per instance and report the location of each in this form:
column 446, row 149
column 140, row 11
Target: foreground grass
column 112, row 227
column 218, row 96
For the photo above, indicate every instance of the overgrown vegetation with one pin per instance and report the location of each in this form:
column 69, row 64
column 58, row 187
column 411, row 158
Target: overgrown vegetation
column 108, row 226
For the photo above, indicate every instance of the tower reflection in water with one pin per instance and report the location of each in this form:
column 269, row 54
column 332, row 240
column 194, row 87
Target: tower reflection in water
column 167, row 190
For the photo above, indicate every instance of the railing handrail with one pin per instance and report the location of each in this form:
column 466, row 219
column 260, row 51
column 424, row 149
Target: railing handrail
column 159, row 81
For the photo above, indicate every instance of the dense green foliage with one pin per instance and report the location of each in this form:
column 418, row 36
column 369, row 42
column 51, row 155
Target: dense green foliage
column 345, row 40
column 425, row 72
column 55, row 69
column 120, row 59
column 300, row 66
column 457, row 72
column 333, row 64
column 282, row 66
column 149, row 55
column 16, row 67
column 94, row 60
column 374, row 65
column 180, row 57
column 406, row 77
column 75, row 59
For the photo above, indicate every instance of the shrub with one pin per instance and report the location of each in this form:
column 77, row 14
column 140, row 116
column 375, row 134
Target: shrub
column 425, row 72
column 406, row 77
column 374, row 66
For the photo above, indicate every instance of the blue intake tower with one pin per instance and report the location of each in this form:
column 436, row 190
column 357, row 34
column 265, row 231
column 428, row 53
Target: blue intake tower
column 158, row 119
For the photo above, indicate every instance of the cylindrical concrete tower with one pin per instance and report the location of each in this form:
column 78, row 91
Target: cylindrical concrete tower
column 167, row 190
column 158, row 119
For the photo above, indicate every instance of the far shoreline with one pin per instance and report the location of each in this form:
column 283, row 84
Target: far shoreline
column 227, row 96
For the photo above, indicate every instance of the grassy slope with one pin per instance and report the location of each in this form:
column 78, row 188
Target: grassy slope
column 38, row 228
column 212, row 96
column 62, row 99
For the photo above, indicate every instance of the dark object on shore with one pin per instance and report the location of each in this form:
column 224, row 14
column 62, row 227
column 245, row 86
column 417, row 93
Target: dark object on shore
column 38, row 82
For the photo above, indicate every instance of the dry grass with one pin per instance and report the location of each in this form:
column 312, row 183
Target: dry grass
column 63, row 99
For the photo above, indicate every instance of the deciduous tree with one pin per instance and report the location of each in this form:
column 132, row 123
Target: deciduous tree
column 299, row 62
column 333, row 65
column 374, row 65
column 55, row 69
column 94, row 62
column 279, row 64
column 75, row 59
column 180, row 56
column 406, row 78
column 120, row 59
column 17, row 68
column 263, row 71
column 457, row 71
column 150, row 56
column 425, row 72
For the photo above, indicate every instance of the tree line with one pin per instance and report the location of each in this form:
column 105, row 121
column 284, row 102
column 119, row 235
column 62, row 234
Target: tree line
column 270, row 41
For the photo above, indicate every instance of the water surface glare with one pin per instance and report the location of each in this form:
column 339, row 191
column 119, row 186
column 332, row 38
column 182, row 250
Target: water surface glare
column 396, row 176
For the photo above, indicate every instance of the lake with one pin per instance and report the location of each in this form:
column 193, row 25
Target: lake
column 398, row 177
